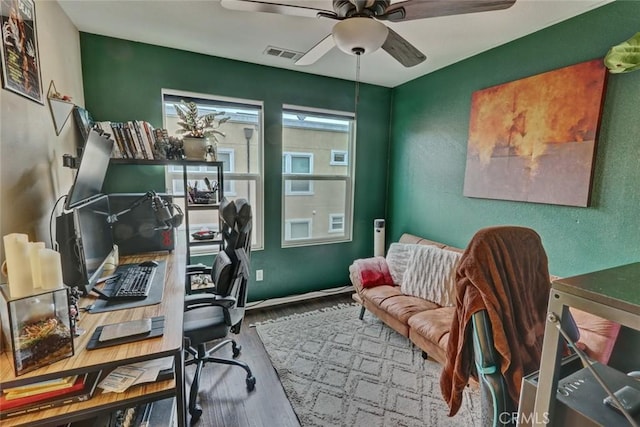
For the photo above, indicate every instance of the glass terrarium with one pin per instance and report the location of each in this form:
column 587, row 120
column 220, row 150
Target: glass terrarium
column 36, row 328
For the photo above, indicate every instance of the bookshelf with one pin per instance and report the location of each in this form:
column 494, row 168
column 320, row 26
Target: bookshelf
column 190, row 206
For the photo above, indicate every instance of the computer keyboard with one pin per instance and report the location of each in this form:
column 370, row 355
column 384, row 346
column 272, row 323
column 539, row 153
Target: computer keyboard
column 134, row 282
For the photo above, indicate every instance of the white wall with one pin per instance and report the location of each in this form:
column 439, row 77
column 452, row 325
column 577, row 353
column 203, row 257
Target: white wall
column 31, row 172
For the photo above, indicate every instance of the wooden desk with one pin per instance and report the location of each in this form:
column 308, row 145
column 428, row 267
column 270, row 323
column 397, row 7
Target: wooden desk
column 83, row 360
column 613, row 294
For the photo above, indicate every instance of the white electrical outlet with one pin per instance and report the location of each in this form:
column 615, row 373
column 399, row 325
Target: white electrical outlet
column 258, row 275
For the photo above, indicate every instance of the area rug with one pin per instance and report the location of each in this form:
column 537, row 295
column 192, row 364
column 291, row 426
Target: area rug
column 338, row 370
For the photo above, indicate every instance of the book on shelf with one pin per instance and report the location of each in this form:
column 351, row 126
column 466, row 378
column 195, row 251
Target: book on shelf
column 147, row 131
column 134, row 139
column 146, row 151
column 40, row 387
column 82, row 389
column 134, row 149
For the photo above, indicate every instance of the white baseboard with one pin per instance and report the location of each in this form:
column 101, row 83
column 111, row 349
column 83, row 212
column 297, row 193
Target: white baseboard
column 296, row 298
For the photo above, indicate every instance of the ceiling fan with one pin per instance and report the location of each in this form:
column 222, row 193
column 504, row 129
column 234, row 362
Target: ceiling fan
column 359, row 30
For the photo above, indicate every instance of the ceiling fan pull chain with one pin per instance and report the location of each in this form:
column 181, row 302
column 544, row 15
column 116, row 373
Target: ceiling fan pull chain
column 357, row 97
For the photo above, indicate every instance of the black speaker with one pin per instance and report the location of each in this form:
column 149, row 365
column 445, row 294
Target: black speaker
column 70, row 247
column 137, row 231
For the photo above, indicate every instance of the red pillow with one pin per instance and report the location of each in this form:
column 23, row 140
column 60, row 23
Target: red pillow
column 374, row 272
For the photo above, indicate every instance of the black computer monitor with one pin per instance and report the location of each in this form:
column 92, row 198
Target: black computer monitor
column 85, row 242
column 91, row 171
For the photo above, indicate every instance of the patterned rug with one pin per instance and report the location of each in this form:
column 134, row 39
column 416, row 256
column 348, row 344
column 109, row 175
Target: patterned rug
column 338, row 370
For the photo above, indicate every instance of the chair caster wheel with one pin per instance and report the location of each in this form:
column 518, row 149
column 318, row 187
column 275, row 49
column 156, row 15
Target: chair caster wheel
column 236, row 351
column 251, row 383
column 195, row 414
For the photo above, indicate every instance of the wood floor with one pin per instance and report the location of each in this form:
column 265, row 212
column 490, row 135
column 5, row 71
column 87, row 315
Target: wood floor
column 223, row 394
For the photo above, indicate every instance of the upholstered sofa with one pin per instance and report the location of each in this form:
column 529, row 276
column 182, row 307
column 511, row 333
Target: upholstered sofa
column 386, row 287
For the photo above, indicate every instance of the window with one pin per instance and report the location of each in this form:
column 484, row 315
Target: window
column 240, row 151
column 317, row 176
column 336, row 223
column 298, row 164
column 298, row 229
column 338, row 158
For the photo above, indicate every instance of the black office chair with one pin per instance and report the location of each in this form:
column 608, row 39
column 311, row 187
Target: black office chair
column 211, row 315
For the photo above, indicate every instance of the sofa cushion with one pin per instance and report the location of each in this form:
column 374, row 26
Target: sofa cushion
column 433, row 324
column 373, row 272
column 380, row 293
column 430, row 275
column 403, row 307
column 397, row 258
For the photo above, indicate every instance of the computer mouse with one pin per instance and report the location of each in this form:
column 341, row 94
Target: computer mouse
column 148, row 264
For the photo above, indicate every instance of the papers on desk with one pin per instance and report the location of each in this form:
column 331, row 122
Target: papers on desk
column 123, row 377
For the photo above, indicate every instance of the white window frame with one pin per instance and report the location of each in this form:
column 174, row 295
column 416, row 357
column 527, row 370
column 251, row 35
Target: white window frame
column 290, row 222
column 332, row 218
column 286, row 160
column 199, row 172
column 257, row 178
column 230, row 186
column 334, row 162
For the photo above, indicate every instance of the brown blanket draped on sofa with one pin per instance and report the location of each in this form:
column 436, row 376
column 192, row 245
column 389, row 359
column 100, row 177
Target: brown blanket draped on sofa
column 503, row 270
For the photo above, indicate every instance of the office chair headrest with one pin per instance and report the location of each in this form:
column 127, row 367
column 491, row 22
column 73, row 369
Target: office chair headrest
column 244, row 215
column 228, row 212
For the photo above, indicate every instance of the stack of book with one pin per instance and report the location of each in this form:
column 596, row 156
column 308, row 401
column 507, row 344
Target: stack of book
column 47, row 394
column 133, row 140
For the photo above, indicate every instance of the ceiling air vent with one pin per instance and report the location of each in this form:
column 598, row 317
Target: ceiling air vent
column 282, row 53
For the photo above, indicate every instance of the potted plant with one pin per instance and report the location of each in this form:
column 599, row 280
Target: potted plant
column 200, row 133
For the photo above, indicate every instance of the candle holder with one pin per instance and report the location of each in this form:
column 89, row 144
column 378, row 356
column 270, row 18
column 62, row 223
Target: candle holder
column 36, row 328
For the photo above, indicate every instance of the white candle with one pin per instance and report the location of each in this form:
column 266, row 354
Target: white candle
column 50, row 269
column 16, row 249
column 34, row 259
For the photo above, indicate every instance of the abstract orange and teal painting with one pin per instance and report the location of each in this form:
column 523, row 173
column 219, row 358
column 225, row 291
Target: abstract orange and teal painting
column 534, row 139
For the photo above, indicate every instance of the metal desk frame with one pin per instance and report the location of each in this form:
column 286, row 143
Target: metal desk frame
column 612, row 294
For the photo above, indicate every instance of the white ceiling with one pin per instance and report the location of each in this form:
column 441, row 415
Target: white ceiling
column 204, row 26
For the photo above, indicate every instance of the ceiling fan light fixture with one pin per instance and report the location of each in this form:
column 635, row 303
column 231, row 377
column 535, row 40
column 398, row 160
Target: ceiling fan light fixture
column 359, row 35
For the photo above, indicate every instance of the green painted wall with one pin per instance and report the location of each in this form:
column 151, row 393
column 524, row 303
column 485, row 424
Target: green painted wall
column 429, row 144
column 122, row 81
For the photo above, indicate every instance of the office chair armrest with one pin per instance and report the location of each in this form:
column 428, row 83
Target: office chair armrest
column 194, row 301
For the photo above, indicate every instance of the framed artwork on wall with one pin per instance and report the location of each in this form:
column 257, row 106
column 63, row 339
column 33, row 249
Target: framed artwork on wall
column 19, row 53
column 534, row 139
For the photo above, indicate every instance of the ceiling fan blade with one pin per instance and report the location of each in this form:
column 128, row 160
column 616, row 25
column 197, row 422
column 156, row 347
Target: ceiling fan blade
column 317, row 52
column 418, row 9
column 265, row 6
column 403, row 51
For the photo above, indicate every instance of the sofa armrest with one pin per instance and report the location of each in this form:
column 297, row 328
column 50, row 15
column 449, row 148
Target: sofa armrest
column 366, row 272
